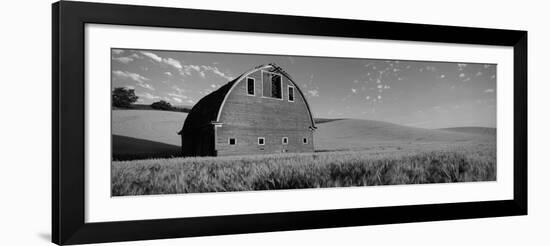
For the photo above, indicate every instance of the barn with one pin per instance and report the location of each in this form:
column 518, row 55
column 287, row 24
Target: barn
column 263, row 111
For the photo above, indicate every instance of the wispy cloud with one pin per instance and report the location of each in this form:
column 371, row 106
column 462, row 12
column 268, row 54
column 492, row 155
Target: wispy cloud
column 489, row 91
column 178, row 95
column 179, row 90
column 148, row 95
column 117, row 51
column 172, row 62
column 128, row 75
column 139, row 79
column 313, row 93
column 123, row 59
column 152, row 55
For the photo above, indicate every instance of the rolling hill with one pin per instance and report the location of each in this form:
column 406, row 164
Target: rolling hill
column 151, row 133
column 370, row 134
column 472, row 130
column 146, row 133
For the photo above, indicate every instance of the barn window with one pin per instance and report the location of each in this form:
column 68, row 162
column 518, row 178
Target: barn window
column 285, row 140
column 261, row 141
column 250, row 86
column 232, row 141
column 304, row 140
column 276, row 84
column 290, row 93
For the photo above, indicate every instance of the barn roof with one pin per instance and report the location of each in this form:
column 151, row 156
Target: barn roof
column 207, row 109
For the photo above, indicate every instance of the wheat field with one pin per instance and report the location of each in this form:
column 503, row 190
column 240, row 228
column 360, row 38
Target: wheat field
column 300, row 171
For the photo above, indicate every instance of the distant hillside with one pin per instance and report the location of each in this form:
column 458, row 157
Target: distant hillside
column 323, row 120
column 472, row 130
column 364, row 134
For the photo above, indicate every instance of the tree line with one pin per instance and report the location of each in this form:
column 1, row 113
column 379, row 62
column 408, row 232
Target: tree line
column 123, row 97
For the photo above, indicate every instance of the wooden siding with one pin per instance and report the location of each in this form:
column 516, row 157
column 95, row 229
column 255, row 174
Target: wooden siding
column 247, row 117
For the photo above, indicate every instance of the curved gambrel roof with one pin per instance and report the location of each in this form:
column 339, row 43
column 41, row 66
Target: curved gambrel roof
column 208, row 109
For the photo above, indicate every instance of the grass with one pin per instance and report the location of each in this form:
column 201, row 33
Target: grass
column 300, row 171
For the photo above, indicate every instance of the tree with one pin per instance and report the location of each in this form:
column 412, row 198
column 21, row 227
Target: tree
column 123, row 97
column 162, row 105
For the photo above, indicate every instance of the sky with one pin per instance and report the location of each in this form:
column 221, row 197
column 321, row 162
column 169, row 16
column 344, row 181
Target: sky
column 413, row 93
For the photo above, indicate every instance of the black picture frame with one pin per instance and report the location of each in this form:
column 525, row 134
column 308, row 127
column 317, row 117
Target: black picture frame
column 68, row 107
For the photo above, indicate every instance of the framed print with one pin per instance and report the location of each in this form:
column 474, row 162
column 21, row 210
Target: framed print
column 175, row 122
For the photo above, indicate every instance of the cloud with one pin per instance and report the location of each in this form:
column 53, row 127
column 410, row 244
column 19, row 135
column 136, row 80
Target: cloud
column 379, row 97
column 313, row 93
column 172, row 62
column 147, row 86
column 140, row 80
column 489, row 91
column 442, row 76
column 124, row 59
column 117, row 51
column 177, row 99
column 148, row 95
column 461, row 66
column 151, row 55
column 353, row 90
column 223, row 75
column 461, row 75
column 493, row 76
column 467, row 79
column 213, row 85
column 431, row 68
column 367, row 97
column 202, row 69
column 128, row 75
column 179, row 90
column 188, row 68
column 479, row 74
column 168, row 73
column 178, row 95
column 168, row 61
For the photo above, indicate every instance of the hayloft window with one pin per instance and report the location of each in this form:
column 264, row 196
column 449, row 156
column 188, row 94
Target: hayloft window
column 261, row 141
column 285, row 140
column 232, row 141
column 250, row 86
column 290, row 93
column 276, row 84
column 304, row 140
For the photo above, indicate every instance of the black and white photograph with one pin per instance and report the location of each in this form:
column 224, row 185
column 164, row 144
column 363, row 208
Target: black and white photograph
column 195, row 122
